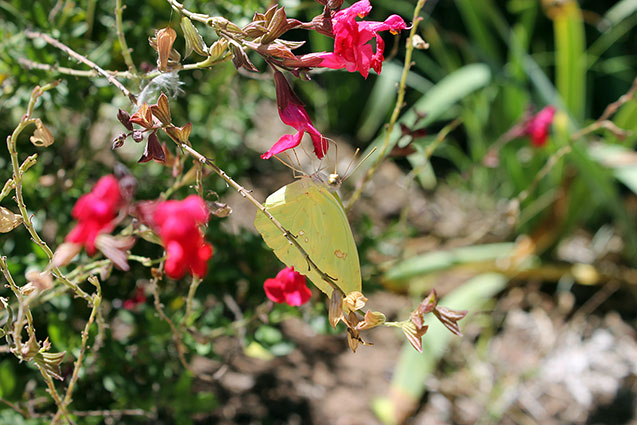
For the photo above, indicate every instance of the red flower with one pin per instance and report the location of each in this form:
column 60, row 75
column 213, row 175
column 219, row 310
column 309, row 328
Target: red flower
column 352, row 48
column 287, row 287
column 95, row 212
column 537, row 127
column 138, row 299
column 293, row 113
column 178, row 226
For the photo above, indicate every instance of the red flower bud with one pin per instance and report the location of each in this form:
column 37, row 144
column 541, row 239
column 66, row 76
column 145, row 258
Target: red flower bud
column 288, row 287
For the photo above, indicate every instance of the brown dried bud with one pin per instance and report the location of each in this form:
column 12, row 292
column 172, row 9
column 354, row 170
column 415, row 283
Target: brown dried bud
column 118, row 141
column 65, row 253
column 218, row 49
column 240, row 59
column 138, row 136
column 371, row 320
column 8, row 220
column 41, row 281
column 335, row 308
column 354, row 301
column 124, row 118
column 414, row 334
column 419, row 43
column 221, row 210
column 193, row 38
column 41, row 136
column 161, row 110
column 165, row 38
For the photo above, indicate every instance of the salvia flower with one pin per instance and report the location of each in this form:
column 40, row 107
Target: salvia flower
column 352, row 48
column 289, row 287
column 538, row 126
column 95, row 213
column 293, row 113
column 178, row 224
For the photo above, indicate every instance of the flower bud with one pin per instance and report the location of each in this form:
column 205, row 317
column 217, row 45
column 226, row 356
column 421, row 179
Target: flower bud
column 354, row 301
column 165, row 38
column 41, row 136
column 193, row 38
column 124, row 118
column 138, row 136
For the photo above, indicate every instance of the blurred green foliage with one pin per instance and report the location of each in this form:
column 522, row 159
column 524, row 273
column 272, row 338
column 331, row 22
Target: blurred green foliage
column 487, row 63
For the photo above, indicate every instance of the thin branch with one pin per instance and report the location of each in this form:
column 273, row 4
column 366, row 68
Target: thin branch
column 29, row 64
column 59, row 45
column 17, row 182
column 122, row 39
column 397, row 108
column 542, row 173
column 603, row 120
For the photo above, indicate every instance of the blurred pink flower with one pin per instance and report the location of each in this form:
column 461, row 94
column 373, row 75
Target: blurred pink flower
column 137, row 299
column 352, row 48
column 178, row 227
column 288, row 287
column 293, row 113
column 537, row 127
column 95, row 212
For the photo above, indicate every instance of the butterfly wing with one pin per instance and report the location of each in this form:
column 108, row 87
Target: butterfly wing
column 317, row 219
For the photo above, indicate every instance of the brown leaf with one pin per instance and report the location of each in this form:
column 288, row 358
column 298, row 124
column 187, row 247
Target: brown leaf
column 8, row 220
column 41, row 136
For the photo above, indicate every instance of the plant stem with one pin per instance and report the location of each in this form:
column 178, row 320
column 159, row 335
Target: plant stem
column 397, row 108
column 55, row 43
column 122, row 39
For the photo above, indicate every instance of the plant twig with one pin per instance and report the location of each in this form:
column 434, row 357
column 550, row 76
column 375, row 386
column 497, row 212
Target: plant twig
column 604, row 122
column 17, row 183
column 97, row 299
column 122, row 39
column 59, row 45
column 542, row 173
column 397, row 108
column 29, row 64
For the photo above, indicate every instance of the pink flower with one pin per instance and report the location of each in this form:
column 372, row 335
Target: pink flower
column 95, row 212
column 293, row 113
column 287, row 287
column 352, row 48
column 537, row 127
column 178, row 227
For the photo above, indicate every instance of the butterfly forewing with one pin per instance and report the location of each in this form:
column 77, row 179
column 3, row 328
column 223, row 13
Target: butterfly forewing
column 317, row 220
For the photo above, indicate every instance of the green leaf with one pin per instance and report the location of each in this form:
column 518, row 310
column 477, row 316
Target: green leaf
column 570, row 58
column 7, row 378
column 435, row 103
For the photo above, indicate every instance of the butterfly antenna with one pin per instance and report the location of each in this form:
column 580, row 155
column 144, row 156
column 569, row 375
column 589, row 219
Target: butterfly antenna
column 362, row 160
column 290, row 166
column 345, row 174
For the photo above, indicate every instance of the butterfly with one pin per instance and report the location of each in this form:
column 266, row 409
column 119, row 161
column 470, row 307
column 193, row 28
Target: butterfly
column 316, row 218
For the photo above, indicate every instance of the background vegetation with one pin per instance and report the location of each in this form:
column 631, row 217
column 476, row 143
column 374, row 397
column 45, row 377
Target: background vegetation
column 561, row 214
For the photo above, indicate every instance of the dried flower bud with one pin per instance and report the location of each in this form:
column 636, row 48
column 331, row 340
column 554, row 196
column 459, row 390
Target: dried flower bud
column 138, row 135
column 221, row 210
column 218, row 49
column 240, row 59
column 414, row 334
column 162, row 110
column 41, row 281
column 124, row 118
column 354, row 301
column 118, row 141
column 335, row 308
column 8, row 220
column 41, row 136
column 419, row 43
column 193, row 38
column 65, row 253
column 371, row 320
column 165, row 38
